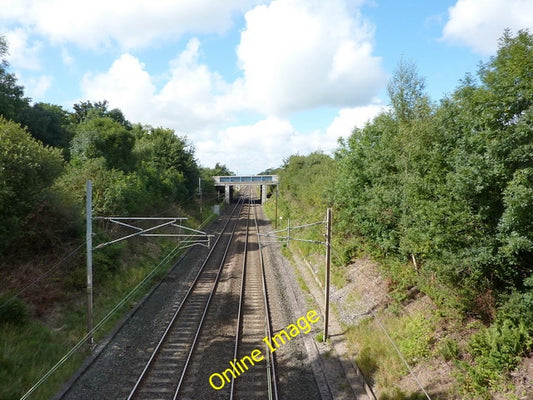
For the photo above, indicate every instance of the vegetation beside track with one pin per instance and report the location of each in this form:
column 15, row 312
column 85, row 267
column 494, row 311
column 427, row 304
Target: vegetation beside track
column 441, row 195
column 46, row 156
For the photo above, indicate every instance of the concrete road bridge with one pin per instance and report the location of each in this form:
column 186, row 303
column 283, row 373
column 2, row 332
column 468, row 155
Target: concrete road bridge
column 229, row 182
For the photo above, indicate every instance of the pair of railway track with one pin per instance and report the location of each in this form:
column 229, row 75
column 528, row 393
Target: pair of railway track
column 228, row 291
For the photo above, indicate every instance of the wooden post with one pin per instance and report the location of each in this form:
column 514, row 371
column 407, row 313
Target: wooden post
column 276, row 215
column 328, row 267
column 200, row 193
column 89, row 240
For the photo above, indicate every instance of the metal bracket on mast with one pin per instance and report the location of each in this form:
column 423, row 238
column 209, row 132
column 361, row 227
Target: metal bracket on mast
column 191, row 237
column 277, row 235
column 288, row 237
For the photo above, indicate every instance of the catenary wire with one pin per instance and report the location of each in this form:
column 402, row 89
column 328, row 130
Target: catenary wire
column 108, row 316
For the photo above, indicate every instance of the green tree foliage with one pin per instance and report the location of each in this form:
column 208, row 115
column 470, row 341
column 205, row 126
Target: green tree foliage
column 114, row 191
column 48, row 123
column 135, row 171
column 27, row 168
column 406, row 92
column 449, row 187
column 208, row 185
column 304, row 195
column 167, row 160
column 12, row 100
column 87, row 110
column 304, row 184
column 219, row 170
column 103, row 137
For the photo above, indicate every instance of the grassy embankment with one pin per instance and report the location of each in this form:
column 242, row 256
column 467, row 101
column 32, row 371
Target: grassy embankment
column 30, row 344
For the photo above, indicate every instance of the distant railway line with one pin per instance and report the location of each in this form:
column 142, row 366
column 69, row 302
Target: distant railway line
column 207, row 330
column 165, row 370
column 219, row 319
column 176, row 367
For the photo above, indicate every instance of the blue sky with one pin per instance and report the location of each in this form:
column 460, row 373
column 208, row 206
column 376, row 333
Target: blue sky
column 249, row 82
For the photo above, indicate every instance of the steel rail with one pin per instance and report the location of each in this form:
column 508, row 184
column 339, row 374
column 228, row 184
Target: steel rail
column 270, row 377
column 177, row 312
column 241, row 300
column 273, row 391
column 195, row 340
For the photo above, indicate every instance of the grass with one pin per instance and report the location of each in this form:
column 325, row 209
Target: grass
column 28, row 350
column 376, row 356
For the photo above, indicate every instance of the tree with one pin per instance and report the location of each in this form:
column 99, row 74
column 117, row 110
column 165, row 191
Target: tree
column 28, row 168
column 508, row 77
column 12, row 100
column 406, row 93
column 171, row 158
column 104, row 137
column 87, row 110
column 304, row 182
column 220, row 170
column 48, row 123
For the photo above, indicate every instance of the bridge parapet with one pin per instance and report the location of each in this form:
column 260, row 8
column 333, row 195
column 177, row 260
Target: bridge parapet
column 245, row 180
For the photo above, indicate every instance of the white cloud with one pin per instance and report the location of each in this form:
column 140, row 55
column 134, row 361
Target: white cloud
column 129, row 23
column 300, row 54
column 36, row 87
column 22, row 54
column 252, row 148
column 349, row 118
column 192, row 98
column 13, row 9
column 194, row 95
column 125, row 85
column 267, row 143
column 479, row 24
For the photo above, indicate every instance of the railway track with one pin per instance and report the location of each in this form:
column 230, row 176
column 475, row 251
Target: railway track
column 206, row 319
column 253, row 323
column 171, row 355
column 177, row 367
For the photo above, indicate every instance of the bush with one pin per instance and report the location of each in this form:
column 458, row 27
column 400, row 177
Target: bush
column 27, row 168
column 104, row 137
column 13, row 310
column 500, row 346
column 496, row 350
column 114, row 192
column 449, row 350
column 518, row 307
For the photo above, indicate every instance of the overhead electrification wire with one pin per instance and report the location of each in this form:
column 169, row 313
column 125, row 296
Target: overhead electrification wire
column 47, row 272
column 83, row 340
column 371, row 312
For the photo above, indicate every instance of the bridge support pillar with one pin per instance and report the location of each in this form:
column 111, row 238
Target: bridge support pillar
column 227, row 196
column 263, row 194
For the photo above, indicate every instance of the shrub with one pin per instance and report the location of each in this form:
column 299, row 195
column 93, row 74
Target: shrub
column 27, row 168
column 496, row 350
column 13, row 310
column 449, row 349
column 518, row 306
column 500, row 346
